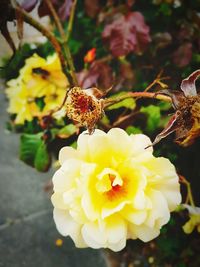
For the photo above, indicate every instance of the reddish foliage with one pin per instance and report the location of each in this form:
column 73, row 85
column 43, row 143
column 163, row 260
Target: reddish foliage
column 62, row 7
column 99, row 74
column 92, row 8
column 127, row 34
column 183, row 55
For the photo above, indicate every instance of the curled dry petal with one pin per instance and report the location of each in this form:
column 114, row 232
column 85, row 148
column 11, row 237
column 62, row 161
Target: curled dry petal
column 186, row 121
column 29, row 5
column 188, row 84
column 171, row 127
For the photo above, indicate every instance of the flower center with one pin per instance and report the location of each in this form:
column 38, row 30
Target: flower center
column 84, row 103
column 109, row 183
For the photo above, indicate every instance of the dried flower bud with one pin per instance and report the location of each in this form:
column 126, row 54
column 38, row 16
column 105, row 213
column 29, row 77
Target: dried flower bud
column 186, row 120
column 84, row 107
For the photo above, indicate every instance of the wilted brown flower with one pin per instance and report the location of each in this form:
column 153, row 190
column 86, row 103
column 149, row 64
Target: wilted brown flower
column 186, row 120
column 84, row 106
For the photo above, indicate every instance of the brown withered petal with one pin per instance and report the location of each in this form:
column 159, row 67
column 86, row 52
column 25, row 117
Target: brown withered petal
column 171, row 127
column 83, row 107
column 188, row 84
column 186, row 120
column 194, row 132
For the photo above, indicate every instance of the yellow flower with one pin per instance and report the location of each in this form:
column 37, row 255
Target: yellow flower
column 111, row 188
column 194, row 221
column 39, row 78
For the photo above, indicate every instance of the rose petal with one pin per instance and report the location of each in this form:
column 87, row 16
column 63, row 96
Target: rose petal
column 188, row 84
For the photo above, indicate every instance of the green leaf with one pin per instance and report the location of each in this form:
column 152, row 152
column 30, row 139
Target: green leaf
column 67, row 131
column 40, row 102
column 105, row 119
column 153, row 117
column 33, row 151
column 42, row 158
column 74, row 46
column 15, row 63
column 133, row 130
column 126, row 103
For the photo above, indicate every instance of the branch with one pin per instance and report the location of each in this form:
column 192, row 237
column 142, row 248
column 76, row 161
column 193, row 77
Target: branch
column 109, row 102
column 73, row 80
column 71, row 20
column 55, row 17
column 189, row 191
column 30, row 20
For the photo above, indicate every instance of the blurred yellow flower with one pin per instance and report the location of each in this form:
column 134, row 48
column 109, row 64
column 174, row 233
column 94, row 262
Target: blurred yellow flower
column 112, row 188
column 194, row 221
column 39, row 78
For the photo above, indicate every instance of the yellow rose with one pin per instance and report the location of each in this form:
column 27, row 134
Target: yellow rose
column 39, row 78
column 112, row 188
column 194, row 221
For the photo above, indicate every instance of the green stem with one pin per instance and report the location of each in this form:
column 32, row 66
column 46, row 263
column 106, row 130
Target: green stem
column 110, row 101
column 71, row 69
column 71, row 20
column 189, row 190
column 31, row 21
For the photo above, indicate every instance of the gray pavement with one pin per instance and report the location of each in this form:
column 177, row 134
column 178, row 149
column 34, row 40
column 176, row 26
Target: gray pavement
column 27, row 230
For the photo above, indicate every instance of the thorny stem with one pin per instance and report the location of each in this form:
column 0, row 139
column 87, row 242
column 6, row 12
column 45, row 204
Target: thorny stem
column 189, row 191
column 71, row 20
column 109, row 102
column 72, row 79
column 30, row 20
column 66, row 47
column 55, row 16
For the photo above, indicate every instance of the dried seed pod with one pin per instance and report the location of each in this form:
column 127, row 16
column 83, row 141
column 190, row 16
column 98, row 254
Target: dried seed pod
column 84, row 107
column 186, row 120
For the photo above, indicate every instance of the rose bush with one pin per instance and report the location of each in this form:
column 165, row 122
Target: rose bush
column 111, row 188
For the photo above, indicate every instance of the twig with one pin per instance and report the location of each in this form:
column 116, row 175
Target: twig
column 71, row 20
column 125, row 118
column 189, row 191
column 110, row 101
column 55, row 16
column 73, row 80
column 157, row 81
column 30, row 20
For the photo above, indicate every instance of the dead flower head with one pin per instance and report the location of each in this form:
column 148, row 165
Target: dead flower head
column 186, row 120
column 84, row 106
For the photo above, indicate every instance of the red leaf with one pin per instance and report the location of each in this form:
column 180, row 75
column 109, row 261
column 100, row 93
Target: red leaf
column 64, row 10
column 29, row 5
column 99, row 75
column 170, row 128
column 183, row 55
column 188, row 84
column 62, row 7
column 127, row 34
column 92, row 7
